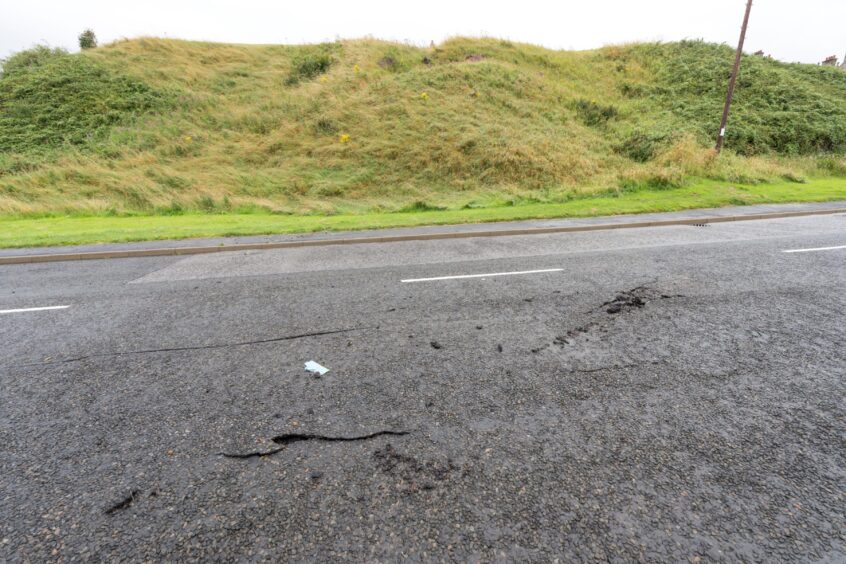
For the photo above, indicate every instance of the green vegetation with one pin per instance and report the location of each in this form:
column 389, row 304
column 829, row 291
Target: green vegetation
column 88, row 39
column 106, row 229
column 311, row 61
column 50, row 99
column 780, row 108
column 153, row 127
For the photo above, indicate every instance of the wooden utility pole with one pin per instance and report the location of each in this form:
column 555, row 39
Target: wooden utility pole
column 722, row 137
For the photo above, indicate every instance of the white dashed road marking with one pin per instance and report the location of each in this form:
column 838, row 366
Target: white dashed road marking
column 491, row 275
column 816, row 250
column 29, row 309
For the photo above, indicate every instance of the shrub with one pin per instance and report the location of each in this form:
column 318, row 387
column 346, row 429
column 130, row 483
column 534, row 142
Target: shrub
column 49, row 98
column 87, row 39
column 310, row 62
column 325, row 126
column 397, row 59
column 34, row 57
column 833, row 165
column 420, row 206
column 633, row 90
column 593, row 114
column 651, row 179
column 642, row 147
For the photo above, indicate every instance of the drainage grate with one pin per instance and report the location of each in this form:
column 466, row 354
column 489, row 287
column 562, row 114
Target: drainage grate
column 700, row 225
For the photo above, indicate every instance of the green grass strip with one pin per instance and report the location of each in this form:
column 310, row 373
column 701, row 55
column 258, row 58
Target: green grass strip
column 58, row 231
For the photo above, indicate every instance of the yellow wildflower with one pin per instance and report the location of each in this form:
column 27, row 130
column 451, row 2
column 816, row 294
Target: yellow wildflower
column 344, row 138
column 424, row 96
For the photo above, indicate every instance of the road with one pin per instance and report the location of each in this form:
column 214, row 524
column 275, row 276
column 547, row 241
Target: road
column 659, row 394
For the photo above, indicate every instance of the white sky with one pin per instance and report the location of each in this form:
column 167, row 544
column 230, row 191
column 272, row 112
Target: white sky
column 806, row 31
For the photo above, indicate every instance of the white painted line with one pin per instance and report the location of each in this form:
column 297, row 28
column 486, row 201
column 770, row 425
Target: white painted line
column 481, row 275
column 25, row 310
column 815, row 250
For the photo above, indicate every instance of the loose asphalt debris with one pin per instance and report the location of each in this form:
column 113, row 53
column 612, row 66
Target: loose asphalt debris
column 624, row 302
column 291, row 438
column 635, row 298
column 414, row 475
column 436, row 345
column 573, row 333
column 124, row 503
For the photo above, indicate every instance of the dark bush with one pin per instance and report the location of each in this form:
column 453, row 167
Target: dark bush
column 310, row 62
column 87, row 39
column 593, row 114
column 398, row 59
column 325, row 126
column 642, row 147
column 421, row 206
column 632, row 90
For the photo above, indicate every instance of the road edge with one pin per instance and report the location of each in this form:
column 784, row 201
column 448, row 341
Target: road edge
column 206, row 249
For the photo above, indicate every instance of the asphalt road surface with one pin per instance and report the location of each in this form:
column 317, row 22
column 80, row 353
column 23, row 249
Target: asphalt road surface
column 663, row 394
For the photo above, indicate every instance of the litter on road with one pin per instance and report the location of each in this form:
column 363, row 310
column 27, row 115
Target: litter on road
column 315, row 368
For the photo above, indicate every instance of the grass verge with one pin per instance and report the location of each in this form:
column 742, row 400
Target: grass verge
column 59, row 231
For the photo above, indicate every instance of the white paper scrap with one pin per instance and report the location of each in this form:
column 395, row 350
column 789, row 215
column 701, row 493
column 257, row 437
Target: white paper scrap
column 315, row 368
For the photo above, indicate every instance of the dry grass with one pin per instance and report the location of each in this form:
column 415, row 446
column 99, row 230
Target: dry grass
column 381, row 130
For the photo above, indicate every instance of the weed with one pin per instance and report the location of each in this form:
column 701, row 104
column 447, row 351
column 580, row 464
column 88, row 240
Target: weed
column 206, row 203
column 641, row 146
column 833, row 165
column 593, row 114
column 325, row 126
column 311, row 61
column 420, row 207
column 398, row 58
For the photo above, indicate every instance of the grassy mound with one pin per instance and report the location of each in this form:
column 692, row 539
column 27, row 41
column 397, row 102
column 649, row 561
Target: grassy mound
column 49, row 98
column 779, row 108
column 156, row 126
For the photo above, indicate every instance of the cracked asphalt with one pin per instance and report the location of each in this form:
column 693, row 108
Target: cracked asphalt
column 672, row 394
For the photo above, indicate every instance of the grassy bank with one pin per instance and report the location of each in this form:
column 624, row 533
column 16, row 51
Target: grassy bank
column 157, row 127
column 703, row 194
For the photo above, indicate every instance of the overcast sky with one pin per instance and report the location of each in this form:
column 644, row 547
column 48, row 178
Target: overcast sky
column 806, row 31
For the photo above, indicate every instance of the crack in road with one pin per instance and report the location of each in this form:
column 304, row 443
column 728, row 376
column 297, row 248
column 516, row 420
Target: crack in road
column 197, row 347
column 291, row 438
column 616, row 367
